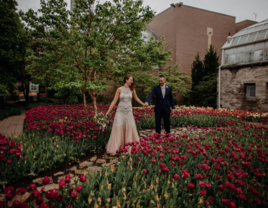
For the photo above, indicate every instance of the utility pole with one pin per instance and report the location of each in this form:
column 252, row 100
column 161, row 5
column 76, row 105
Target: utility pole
column 255, row 15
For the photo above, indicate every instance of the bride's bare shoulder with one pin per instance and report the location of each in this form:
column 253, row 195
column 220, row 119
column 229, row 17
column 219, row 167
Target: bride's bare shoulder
column 118, row 89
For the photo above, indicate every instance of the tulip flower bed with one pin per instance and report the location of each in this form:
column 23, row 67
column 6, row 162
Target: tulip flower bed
column 58, row 134
column 245, row 115
column 231, row 158
column 225, row 168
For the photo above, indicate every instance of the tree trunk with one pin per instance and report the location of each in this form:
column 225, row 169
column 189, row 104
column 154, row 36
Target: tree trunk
column 84, row 98
column 93, row 95
column 23, row 89
column 27, row 92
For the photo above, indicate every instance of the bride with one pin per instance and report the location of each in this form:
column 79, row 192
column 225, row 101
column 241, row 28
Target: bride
column 124, row 128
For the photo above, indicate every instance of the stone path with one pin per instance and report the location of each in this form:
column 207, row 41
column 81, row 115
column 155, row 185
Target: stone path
column 13, row 126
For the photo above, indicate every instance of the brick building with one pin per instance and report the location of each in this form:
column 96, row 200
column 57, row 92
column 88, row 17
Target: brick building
column 189, row 30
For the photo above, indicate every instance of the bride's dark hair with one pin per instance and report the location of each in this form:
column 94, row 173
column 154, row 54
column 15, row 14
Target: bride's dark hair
column 126, row 78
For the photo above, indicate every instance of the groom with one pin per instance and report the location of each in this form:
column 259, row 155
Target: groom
column 164, row 100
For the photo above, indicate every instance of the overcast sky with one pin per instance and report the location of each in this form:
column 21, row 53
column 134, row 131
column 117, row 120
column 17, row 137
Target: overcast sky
column 241, row 9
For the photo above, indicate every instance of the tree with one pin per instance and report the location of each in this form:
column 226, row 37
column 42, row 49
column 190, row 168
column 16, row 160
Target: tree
column 197, row 70
column 86, row 48
column 197, row 74
column 177, row 79
column 206, row 89
column 13, row 45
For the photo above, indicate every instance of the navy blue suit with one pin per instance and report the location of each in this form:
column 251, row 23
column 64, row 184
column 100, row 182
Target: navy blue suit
column 162, row 106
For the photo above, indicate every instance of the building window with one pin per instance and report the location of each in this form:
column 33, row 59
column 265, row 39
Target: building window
column 33, row 87
column 250, row 90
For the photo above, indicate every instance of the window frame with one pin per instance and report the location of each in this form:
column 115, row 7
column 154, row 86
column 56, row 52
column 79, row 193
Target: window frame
column 248, row 86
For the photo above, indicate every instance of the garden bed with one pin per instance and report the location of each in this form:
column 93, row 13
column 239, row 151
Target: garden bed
column 224, row 164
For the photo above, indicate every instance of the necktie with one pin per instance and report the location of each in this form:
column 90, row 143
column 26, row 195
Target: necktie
column 163, row 91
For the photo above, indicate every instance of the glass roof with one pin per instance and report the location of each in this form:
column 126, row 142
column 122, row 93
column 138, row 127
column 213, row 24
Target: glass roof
column 251, row 34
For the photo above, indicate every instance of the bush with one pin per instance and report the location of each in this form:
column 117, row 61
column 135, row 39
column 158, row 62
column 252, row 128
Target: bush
column 8, row 111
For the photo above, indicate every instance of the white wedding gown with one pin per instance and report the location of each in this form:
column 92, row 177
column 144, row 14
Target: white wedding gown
column 124, row 128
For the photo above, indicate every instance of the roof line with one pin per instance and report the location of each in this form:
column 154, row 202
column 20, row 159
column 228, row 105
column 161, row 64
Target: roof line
column 148, row 28
column 196, row 8
column 246, row 20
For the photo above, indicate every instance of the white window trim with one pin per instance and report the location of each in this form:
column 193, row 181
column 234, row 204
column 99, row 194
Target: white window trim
column 248, row 91
column 32, row 86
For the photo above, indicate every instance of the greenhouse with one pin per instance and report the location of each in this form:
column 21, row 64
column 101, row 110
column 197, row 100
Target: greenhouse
column 247, row 46
column 243, row 77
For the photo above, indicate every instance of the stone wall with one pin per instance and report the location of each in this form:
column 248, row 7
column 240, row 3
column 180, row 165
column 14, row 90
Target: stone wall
column 233, row 88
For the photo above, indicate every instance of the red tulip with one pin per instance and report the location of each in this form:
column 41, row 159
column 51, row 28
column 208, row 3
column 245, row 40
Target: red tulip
column 78, row 188
column 68, row 178
column 231, row 204
column 9, row 195
column 39, row 200
column 16, row 203
column 222, row 187
column 36, row 192
column 62, row 183
column 257, row 200
column 83, row 179
column 33, row 186
column 185, row 173
column 153, row 160
column 176, row 176
column 43, row 205
column 21, row 190
column 211, row 201
column 74, row 194
column 201, row 184
column 225, row 201
column 59, row 197
column 46, row 180
column 203, row 193
column 191, row 185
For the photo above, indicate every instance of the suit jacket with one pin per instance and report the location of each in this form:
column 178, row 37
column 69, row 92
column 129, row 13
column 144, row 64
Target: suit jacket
column 162, row 104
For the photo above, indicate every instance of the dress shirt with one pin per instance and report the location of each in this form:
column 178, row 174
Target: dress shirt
column 163, row 89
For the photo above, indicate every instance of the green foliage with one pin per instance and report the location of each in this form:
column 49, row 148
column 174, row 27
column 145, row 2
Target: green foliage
column 177, row 79
column 197, row 70
column 13, row 45
column 8, row 110
column 211, row 61
column 204, row 76
column 92, row 45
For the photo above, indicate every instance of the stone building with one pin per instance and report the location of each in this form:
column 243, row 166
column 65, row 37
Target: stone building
column 189, row 30
column 244, row 71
